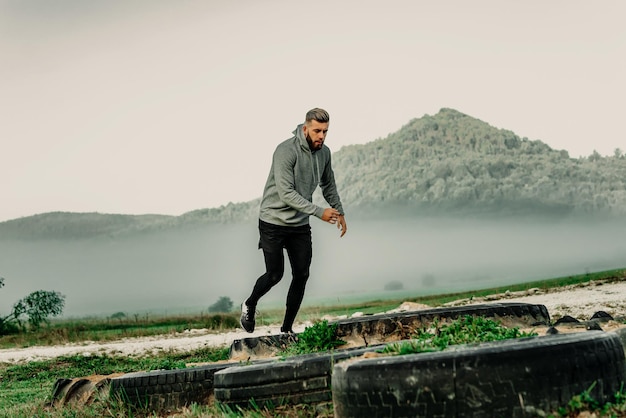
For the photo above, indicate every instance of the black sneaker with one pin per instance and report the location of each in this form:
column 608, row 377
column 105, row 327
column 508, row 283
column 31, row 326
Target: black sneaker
column 289, row 335
column 247, row 318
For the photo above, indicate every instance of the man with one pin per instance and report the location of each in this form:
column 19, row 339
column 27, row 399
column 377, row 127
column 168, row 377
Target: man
column 299, row 165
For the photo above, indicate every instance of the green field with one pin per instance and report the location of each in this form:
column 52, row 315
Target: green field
column 25, row 388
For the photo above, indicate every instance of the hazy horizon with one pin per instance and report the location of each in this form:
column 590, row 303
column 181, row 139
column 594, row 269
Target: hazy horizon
column 192, row 269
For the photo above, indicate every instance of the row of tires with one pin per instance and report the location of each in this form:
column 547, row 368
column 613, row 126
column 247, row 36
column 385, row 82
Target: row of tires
column 507, row 378
column 512, row 378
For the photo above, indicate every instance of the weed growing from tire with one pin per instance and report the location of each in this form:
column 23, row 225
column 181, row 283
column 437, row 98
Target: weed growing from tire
column 585, row 403
column 466, row 330
column 319, row 410
column 319, row 337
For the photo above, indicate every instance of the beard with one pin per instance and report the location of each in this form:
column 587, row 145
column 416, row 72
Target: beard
column 314, row 146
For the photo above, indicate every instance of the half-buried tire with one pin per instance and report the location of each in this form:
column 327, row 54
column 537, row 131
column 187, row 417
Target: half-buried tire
column 161, row 390
column 298, row 379
column 512, row 378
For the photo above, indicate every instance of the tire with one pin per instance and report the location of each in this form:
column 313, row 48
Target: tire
column 59, row 390
column 83, row 391
column 299, row 379
column 519, row 313
column 376, row 329
column 512, row 378
column 160, row 390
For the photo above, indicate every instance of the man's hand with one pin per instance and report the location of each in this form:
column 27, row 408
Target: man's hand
column 333, row 216
column 341, row 225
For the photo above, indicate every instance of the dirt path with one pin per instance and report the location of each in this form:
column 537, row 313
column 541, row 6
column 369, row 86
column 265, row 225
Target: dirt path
column 578, row 301
column 185, row 341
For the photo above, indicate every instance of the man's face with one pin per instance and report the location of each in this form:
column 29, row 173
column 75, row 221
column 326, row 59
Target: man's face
column 315, row 133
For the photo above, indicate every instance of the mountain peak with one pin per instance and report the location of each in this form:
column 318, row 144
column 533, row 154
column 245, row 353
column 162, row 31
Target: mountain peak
column 449, row 113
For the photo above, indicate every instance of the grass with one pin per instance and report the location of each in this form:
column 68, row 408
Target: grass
column 25, row 388
column 317, row 338
column 106, row 329
column 466, row 330
column 583, row 405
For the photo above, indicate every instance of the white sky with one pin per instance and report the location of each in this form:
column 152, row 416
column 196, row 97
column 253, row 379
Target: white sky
column 169, row 106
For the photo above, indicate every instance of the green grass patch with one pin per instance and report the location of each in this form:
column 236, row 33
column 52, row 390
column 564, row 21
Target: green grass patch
column 466, row 330
column 321, row 336
column 584, row 404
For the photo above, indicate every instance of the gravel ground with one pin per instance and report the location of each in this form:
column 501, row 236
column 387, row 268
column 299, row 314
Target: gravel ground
column 579, row 301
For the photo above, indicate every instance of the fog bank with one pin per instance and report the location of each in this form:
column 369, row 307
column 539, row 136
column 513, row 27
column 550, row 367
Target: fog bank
column 189, row 270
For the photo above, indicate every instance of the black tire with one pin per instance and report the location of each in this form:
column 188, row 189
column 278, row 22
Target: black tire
column 512, row 378
column 376, row 329
column 298, row 379
column 59, row 390
column 83, row 391
column 160, row 390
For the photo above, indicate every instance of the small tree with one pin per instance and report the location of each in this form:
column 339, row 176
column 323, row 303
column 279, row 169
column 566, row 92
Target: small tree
column 224, row 304
column 119, row 316
column 37, row 306
column 5, row 327
column 394, row 285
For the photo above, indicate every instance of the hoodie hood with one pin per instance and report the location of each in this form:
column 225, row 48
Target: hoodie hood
column 299, row 133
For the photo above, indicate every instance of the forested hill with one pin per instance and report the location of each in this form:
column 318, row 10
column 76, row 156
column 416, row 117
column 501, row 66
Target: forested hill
column 451, row 161
column 446, row 163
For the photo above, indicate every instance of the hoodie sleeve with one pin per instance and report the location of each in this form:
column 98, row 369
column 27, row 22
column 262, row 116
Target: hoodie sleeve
column 283, row 164
column 329, row 189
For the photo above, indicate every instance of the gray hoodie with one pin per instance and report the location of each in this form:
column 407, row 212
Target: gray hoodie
column 295, row 174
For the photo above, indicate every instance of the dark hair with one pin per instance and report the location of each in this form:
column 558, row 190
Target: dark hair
column 317, row 114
